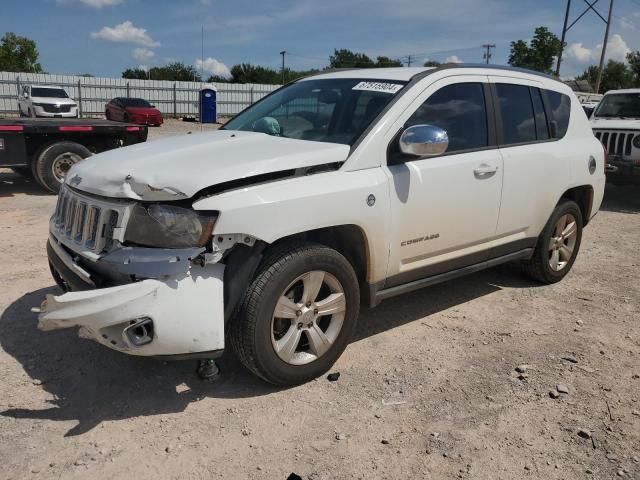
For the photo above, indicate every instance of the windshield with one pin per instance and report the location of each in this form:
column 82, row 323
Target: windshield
column 619, row 105
column 48, row 92
column 334, row 110
column 135, row 102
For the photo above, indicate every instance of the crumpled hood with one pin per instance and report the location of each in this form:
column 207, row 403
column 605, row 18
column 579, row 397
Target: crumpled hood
column 615, row 124
column 178, row 167
column 53, row 100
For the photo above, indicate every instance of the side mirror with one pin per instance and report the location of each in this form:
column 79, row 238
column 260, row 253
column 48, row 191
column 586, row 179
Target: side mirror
column 153, row 106
column 424, row 141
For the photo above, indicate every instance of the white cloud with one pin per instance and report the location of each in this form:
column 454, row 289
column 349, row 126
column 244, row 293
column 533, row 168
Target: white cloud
column 617, row 49
column 142, row 54
column 144, row 67
column 452, row 59
column 125, row 32
column 214, row 67
column 626, row 23
column 95, row 3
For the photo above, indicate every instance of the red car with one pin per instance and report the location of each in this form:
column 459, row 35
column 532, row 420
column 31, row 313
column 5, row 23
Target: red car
column 133, row 110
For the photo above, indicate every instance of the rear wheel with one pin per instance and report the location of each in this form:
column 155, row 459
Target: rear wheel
column 52, row 164
column 557, row 246
column 298, row 314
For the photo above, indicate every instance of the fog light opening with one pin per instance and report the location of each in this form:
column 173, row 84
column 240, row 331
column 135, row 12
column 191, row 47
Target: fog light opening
column 140, row 332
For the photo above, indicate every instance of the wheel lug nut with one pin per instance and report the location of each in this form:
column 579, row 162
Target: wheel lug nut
column 315, row 311
column 308, row 304
column 298, row 313
column 300, row 326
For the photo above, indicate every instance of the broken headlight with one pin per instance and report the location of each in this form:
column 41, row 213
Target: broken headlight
column 168, row 226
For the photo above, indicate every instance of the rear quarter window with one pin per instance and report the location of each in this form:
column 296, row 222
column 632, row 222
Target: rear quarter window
column 560, row 105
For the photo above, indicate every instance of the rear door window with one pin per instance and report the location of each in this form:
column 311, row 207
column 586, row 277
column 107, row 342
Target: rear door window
column 516, row 110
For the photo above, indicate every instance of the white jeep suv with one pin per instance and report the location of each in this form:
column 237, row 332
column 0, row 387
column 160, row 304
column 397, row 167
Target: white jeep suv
column 339, row 190
column 616, row 123
column 46, row 101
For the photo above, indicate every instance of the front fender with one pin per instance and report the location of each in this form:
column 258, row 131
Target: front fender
column 275, row 210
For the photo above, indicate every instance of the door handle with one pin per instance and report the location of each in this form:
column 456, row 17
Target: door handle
column 485, row 171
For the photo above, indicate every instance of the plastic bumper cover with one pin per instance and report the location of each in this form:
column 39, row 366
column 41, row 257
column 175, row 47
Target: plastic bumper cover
column 186, row 311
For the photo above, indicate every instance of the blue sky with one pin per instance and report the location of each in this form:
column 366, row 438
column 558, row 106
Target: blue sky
column 103, row 37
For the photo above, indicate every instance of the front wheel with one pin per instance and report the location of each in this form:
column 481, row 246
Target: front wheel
column 297, row 315
column 557, row 246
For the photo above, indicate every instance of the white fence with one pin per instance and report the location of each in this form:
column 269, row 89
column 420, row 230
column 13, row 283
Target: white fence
column 173, row 99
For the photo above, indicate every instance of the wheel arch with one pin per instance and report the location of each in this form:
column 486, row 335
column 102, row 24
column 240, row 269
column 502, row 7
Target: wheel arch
column 583, row 196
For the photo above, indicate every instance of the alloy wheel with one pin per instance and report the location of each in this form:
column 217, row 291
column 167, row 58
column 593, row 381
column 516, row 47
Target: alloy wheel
column 308, row 317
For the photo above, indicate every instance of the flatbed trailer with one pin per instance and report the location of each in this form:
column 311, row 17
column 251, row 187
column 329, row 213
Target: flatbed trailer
column 45, row 148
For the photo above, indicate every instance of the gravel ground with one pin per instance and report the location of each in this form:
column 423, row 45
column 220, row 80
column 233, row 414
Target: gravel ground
column 428, row 388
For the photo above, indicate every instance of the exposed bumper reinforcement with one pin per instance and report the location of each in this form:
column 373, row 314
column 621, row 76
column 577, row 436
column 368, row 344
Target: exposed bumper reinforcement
column 187, row 312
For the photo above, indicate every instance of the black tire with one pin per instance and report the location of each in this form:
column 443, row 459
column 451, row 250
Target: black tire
column 44, row 162
column 250, row 333
column 539, row 267
column 24, row 171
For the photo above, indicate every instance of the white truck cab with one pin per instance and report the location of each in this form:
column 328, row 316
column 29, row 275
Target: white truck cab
column 338, row 190
column 616, row 123
column 46, row 101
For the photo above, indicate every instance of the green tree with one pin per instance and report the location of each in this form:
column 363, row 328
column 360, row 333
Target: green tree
column 344, row 58
column 539, row 54
column 135, row 74
column 18, row 54
column 432, row 63
column 633, row 58
column 615, row 75
column 217, row 79
column 387, row 62
column 176, row 72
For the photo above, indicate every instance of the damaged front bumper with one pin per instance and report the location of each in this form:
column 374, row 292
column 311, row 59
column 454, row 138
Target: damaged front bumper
column 178, row 314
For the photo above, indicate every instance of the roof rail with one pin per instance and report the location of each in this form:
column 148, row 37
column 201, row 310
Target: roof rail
column 447, row 66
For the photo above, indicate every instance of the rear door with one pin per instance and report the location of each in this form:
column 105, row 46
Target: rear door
column 445, row 209
column 536, row 166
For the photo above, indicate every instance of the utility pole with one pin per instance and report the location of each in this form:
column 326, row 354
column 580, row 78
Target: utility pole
column 283, row 53
column 564, row 35
column 604, row 47
column 487, row 56
column 409, row 60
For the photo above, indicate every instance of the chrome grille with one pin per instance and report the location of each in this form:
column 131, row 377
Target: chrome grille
column 85, row 222
column 616, row 143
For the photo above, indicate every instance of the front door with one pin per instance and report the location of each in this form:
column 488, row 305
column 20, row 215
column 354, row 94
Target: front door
column 445, row 209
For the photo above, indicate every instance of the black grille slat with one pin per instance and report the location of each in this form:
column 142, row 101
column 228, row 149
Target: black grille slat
column 627, row 148
column 605, row 139
column 620, row 146
column 612, row 142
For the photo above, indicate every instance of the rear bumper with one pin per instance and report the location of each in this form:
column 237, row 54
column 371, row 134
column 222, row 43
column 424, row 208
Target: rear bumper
column 183, row 314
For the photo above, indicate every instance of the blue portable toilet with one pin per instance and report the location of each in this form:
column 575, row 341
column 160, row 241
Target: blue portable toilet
column 208, row 105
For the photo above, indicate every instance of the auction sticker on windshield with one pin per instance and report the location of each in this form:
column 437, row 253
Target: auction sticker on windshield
column 383, row 87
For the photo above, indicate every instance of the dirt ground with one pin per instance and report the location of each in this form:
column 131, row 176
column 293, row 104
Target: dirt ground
column 428, row 388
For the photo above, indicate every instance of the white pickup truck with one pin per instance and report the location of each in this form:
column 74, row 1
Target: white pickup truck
column 339, row 190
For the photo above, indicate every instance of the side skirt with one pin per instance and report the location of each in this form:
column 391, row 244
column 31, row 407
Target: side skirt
column 380, row 295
